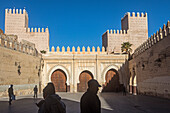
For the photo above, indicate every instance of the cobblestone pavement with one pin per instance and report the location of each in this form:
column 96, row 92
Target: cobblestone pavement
column 111, row 103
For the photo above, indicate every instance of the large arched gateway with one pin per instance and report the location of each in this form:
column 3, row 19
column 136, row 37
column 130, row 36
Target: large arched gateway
column 58, row 78
column 112, row 81
column 84, row 77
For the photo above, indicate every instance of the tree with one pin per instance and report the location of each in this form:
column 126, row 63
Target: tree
column 126, row 47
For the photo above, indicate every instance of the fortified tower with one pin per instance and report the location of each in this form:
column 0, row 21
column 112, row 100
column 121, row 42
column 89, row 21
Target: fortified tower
column 134, row 30
column 16, row 23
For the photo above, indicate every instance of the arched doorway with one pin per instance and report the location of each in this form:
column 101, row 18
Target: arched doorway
column 58, row 78
column 112, row 81
column 84, row 77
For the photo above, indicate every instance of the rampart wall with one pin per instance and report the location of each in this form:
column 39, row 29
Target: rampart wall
column 20, row 65
column 150, row 65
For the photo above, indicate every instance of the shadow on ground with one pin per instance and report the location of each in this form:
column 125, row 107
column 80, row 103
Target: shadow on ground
column 27, row 105
column 136, row 104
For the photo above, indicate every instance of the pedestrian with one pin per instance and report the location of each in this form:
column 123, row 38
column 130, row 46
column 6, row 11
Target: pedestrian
column 10, row 93
column 90, row 102
column 52, row 102
column 124, row 90
column 35, row 91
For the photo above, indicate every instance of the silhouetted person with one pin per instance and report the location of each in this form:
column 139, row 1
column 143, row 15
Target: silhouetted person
column 52, row 102
column 35, row 91
column 10, row 93
column 124, row 90
column 90, row 102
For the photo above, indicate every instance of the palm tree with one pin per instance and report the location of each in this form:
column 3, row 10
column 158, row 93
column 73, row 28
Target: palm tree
column 126, row 47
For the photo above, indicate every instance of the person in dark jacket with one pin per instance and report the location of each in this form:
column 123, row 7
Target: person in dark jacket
column 90, row 102
column 35, row 91
column 52, row 102
column 10, row 93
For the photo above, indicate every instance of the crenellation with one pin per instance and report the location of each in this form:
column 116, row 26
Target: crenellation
column 13, row 11
column 20, row 11
column 39, row 30
column 120, row 31
column 68, row 49
column 63, row 49
column 103, row 49
column 10, row 11
column 16, row 11
column 133, row 14
column 32, row 29
column 83, row 50
column 117, row 31
column 28, row 30
column 154, row 38
column 142, row 14
column 42, row 30
column 24, row 11
column 53, row 49
column 58, row 49
column 88, row 50
column 6, row 11
column 157, row 36
column 73, row 50
column 138, row 14
column 114, row 31
column 35, row 30
column 98, row 49
column 78, row 50
column 46, row 30
column 93, row 49
column 111, row 31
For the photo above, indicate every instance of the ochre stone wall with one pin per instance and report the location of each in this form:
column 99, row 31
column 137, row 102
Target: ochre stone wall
column 150, row 66
column 24, row 83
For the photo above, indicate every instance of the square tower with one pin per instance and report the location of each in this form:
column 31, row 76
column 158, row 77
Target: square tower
column 134, row 29
column 16, row 23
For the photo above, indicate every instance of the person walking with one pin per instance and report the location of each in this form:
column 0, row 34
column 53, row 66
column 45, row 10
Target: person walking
column 10, row 93
column 52, row 102
column 90, row 102
column 35, row 91
column 124, row 90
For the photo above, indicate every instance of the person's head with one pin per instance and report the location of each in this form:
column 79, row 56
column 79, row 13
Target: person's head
column 11, row 85
column 49, row 90
column 93, row 86
column 35, row 85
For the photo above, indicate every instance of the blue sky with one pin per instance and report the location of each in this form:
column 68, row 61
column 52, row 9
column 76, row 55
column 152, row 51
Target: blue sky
column 82, row 22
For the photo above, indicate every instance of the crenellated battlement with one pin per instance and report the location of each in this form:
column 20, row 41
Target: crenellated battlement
column 117, row 31
column 15, row 11
column 154, row 39
column 133, row 14
column 84, row 50
column 39, row 30
column 11, row 42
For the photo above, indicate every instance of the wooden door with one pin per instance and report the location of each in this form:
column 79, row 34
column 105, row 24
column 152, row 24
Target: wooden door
column 59, row 80
column 84, row 78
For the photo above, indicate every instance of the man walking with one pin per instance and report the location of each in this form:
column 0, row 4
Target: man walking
column 10, row 93
column 35, row 91
column 90, row 102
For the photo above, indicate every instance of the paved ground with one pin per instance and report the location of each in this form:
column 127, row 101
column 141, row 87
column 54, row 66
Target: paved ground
column 111, row 103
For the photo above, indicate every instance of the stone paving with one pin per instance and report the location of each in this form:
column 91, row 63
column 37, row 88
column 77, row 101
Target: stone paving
column 111, row 103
